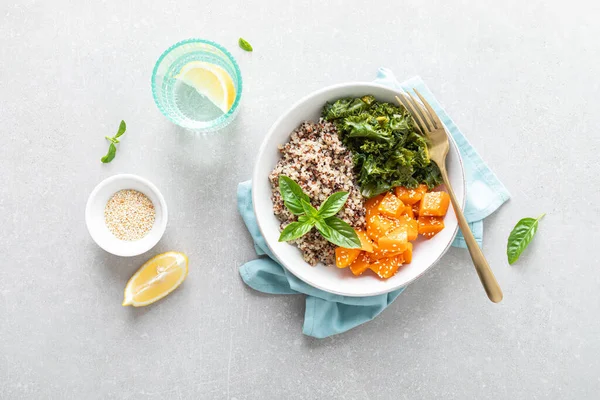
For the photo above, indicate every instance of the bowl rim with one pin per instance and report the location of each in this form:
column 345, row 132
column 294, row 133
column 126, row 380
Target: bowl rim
column 127, row 177
column 256, row 172
column 224, row 119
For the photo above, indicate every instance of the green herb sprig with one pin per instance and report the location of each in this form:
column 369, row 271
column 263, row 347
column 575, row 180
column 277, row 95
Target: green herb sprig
column 520, row 237
column 112, row 149
column 244, row 45
column 329, row 226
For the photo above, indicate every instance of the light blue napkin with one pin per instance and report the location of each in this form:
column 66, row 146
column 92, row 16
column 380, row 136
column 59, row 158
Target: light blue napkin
column 329, row 314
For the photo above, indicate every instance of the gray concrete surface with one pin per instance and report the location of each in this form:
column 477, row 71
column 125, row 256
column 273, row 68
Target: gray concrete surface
column 520, row 79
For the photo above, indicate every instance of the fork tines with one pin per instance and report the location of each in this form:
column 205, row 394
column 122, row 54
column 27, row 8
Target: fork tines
column 425, row 118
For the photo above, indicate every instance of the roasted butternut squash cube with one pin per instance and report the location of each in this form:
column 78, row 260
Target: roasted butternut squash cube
column 434, row 204
column 408, row 210
column 411, row 196
column 430, row 226
column 372, row 205
column 378, row 253
column 365, row 242
column 412, row 227
column 390, row 205
column 361, row 264
column 387, row 267
column 379, row 225
column 344, row 257
column 407, row 255
column 395, row 241
column 415, row 209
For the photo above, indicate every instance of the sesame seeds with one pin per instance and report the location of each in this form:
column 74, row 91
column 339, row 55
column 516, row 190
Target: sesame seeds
column 129, row 215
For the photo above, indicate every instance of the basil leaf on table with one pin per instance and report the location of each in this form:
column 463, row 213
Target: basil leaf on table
column 292, row 194
column 122, row 128
column 333, row 204
column 112, row 150
column 341, row 234
column 295, row 230
column 520, row 237
column 244, row 45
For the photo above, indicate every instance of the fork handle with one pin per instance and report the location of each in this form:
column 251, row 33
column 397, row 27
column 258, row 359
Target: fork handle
column 486, row 276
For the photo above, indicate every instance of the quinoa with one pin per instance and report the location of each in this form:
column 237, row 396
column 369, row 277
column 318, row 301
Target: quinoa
column 317, row 160
column 129, row 215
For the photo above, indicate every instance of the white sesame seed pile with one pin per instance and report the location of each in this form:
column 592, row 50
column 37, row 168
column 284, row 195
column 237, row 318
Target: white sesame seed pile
column 129, row 215
column 318, row 161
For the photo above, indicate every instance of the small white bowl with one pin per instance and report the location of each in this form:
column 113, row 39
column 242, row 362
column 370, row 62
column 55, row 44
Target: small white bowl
column 94, row 215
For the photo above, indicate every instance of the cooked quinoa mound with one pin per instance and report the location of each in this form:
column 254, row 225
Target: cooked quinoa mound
column 315, row 158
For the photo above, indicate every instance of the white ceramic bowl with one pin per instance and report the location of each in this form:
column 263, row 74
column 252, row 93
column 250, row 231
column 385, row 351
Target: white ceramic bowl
column 341, row 281
column 94, row 215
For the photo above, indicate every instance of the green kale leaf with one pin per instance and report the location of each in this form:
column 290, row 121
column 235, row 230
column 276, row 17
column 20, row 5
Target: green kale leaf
column 387, row 149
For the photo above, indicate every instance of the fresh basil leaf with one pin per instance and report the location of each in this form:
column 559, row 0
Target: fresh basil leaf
column 310, row 210
column 520, row 237
column 342, row 234
column 122, row 128
column 112, row 150
column 323, row 229
column 295, row 230
column 292, row 194
column 304, row 218
column 333, row 204
column 244, row 45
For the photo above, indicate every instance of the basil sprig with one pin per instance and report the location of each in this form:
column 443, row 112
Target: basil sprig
column 329, row 226
column 112, row 149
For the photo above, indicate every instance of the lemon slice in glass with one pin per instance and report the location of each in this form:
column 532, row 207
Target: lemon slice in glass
column 211, row 81
column 158, row 277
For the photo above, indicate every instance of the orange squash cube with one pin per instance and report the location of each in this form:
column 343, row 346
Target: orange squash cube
column 387, row 267
column 412, row 226
column 395, row 241
column 408, row 210
column 360, row 265
column 390, row 205
column 378, row 226
column 378, row 253
column 410, row 196
column 434, row 204
column 344, row 257
column 365, row 242
column 415, row 209
column 372, row 204
column 430, row 226
column 407, row 255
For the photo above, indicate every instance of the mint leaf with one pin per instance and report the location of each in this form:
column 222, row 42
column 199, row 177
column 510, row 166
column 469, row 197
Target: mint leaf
column 295, row 230
column 341, row 234
column 244, row 45
column 333, row 204
column 520, row 237
column 112, row 150
column 292, row 194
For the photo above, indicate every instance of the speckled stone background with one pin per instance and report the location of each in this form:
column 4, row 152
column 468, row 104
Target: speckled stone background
column 519, row 77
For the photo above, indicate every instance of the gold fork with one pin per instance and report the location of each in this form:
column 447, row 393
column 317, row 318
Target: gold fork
column 430, row 125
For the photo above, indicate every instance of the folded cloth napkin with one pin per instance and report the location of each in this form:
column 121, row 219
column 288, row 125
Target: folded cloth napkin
column 329, row 314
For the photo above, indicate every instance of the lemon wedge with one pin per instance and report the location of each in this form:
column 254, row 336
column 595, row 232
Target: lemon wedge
column 158, row 277
column 211, row 81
